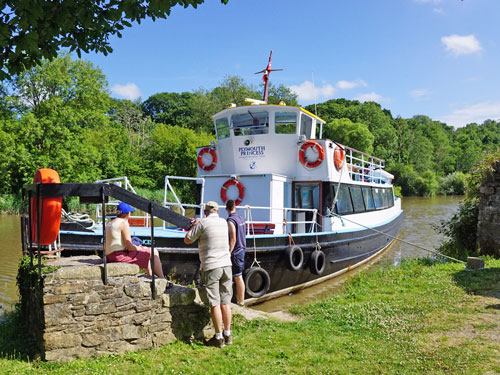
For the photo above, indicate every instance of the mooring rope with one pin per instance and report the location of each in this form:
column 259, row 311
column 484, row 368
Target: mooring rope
column 78, row 218
column 249, row 215
column 330, row 214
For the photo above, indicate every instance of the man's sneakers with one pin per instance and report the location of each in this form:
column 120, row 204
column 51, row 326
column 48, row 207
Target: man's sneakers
column 218, row 343
column 228, row 340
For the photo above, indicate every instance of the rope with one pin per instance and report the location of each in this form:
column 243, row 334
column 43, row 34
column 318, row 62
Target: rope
column 290, row 238
column 249, row 214
column 330, row 214
column 78, row 218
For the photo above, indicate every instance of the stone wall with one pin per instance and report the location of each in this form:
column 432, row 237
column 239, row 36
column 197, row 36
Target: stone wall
column 488, row 229
column 72, row 314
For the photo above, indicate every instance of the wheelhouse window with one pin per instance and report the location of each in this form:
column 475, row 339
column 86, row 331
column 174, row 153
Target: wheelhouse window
column 222, row 126
column 285, row 122
column 250, row 123
column 378, row 196
column 306, row 125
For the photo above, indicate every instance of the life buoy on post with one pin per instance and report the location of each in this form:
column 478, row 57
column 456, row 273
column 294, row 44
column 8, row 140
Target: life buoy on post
column 257, row 281
column 294, row 257
column 319, row 150
column 201, row 163
column 227, row 185
column 338, row 157
column 50, row 209
column 317, row 262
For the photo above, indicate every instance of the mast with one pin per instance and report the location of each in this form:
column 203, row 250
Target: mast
column 265, row 76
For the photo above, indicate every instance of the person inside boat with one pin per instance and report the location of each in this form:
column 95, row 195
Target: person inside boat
column 119, row 246
column 237, row 248
column 211, row 233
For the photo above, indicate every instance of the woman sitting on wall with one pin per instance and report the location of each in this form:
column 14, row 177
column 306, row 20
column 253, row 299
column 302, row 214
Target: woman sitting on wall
column 119, row 246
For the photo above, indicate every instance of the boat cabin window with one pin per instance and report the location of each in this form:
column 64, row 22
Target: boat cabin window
column 285, row 122
column 250, row 123
column 357, row 199
column 222, row 126
column 378, row 196
column 368, row 198
column 306, row 126
column 344, row 203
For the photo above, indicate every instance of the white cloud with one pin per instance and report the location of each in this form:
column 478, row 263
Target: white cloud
column 420, row 95
column 347, row 85
column 371, row 97
column 461, row 44
column 477, row 113
column 129, row 91
column 307, row 91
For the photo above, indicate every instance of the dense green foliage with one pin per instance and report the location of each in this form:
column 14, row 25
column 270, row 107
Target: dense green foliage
column 426, row 157
column 31, row 31
column 60, row 115
column 411, row 319
column 461, row 228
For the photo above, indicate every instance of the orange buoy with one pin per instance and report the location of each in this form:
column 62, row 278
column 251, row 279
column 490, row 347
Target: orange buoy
column 211, row 163
column 50, row 209
column 338, row 157
column 319, row 150
column 229, row 183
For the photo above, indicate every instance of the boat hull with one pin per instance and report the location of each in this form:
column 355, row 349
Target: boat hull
column 342, row 250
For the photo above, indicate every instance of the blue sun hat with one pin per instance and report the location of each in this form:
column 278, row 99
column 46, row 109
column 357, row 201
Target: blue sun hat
column 124, row 208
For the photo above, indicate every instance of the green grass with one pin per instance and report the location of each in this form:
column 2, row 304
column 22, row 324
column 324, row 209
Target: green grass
column 419, row 318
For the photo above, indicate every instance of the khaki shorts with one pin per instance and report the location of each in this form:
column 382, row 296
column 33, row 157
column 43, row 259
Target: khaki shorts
column 218, row 285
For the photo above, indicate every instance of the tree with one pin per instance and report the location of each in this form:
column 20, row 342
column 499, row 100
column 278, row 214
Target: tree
column 169, row 108
column 31, row 31
column 352, row 134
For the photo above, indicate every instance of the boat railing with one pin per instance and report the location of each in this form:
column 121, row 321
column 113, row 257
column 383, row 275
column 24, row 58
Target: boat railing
column 363, row 167
column 123, row 182
column 287, row 225
column 177, row 202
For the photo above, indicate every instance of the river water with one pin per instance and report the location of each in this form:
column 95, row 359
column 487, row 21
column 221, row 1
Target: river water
column 420, row 216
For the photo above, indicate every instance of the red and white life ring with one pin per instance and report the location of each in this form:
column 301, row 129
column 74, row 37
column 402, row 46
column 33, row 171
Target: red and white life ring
column 227, row 185
column 338, row 157
column 201, row 160
column 50, row 209
column 319, row 150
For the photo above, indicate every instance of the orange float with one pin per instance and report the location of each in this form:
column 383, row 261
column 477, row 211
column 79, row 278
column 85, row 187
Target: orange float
column 302, row 154
column 50, row 209
column 229, row 183
column 201, row 164
column 338, row 157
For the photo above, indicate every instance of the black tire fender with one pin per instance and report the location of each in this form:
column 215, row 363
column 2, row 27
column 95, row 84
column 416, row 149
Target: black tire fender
column 317, row 262
column 294, row 258
column 256, row 272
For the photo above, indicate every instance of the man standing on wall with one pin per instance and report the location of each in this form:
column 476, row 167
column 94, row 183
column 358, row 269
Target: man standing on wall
column 237, row 248
column 215, row 274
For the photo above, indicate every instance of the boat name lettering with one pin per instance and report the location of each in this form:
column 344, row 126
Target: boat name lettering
column 252, row 151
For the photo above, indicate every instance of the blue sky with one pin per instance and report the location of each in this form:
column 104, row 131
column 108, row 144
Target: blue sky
column 438, row 58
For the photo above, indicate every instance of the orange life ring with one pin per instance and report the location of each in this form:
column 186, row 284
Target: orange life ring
column 338, row 157
column 50, row 213
column 319, row 150
column 229, row 183
column 202, row 165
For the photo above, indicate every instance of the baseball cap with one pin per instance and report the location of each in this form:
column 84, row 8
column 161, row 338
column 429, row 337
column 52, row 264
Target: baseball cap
column 124, row 208
column 211, row 206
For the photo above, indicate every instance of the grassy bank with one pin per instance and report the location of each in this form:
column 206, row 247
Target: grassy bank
column 419, row 318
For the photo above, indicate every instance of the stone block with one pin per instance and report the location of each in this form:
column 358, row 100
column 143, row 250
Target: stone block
column 101, row 308
column 69, row 289
column 78, row 272
column 178, row 296
column 121, row 269
column 59, row 340
column 487, row 190
column 51, row 298
column 163, row 338
column 138, row 290
column 57, row 314
column 92, row 339
column 160, row 317
column 68, row 354
column 131, row 332
column 121, row 301
column 158, row 327
column 475, row 263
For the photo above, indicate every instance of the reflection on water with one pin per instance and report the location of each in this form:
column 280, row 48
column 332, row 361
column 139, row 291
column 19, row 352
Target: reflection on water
column 10, row 252
column 420, row 216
